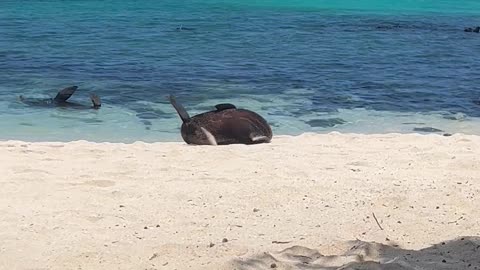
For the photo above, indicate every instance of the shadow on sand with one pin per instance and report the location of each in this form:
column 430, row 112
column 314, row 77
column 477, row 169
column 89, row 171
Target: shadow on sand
column 460, row 253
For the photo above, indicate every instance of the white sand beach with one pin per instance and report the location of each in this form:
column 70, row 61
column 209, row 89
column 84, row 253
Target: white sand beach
column 333, row 201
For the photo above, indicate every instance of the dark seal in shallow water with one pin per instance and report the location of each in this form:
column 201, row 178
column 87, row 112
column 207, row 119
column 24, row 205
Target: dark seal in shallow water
column 60, row 100
column 225, row 125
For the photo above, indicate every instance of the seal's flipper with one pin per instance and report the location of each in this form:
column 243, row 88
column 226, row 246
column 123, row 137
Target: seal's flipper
column 224, row 106
column 180, row 109
column 97, row 103
column 65, row 94
column 260, row 139
column 211, row 139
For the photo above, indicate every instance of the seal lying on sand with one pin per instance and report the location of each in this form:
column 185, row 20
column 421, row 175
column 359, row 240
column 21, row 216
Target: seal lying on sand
column 60, row 100
column 225, row 125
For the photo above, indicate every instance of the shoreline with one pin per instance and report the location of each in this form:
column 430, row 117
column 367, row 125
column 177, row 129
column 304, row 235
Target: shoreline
column 166, row 206
column 275, row 138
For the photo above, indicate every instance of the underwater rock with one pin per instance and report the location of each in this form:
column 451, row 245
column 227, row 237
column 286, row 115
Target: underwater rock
column 474, row 30
column 330, row 122
column 427, row 129
column 91, row 121
column 413, row 123
column 389, row 26
column 146, row 122
column 148, row 115
column 457, row 116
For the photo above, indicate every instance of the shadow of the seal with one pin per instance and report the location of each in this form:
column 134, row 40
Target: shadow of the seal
column 460, row 253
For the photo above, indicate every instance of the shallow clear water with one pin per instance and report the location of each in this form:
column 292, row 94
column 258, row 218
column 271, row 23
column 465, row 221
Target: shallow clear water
column 349, row 66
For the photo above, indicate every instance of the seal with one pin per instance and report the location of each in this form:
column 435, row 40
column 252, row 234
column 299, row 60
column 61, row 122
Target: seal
column 225, row 125
column 60, row 100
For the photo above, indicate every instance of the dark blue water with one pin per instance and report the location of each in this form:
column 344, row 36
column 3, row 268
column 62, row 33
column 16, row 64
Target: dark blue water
column 305, row 67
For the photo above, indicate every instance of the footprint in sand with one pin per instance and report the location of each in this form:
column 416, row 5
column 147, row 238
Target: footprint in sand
column 359, row 164
column 93, row 218
column 22, row 170
column 7, row 145
column 51, row 159
column 99, row 183
column 33, row 152
column 56, row 145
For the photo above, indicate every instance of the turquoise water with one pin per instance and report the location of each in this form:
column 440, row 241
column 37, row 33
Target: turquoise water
column 306, row 66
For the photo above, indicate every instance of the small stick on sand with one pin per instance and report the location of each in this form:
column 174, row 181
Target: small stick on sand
column 281, row 242
column 376, row 220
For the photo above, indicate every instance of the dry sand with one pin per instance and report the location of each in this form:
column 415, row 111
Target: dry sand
column 305, row 202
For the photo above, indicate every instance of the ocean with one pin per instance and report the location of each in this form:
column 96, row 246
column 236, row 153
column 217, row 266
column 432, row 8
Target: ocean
column 373, row 66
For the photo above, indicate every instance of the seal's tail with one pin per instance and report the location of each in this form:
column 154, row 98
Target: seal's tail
column 180, row 109
column 97, row 103
column 65, row 94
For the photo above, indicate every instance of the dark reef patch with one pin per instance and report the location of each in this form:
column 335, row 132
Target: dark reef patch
column 329, row 122
column 427, row 129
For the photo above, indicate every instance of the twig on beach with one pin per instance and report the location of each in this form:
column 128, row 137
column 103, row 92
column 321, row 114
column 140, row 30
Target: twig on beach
column 153, row 256
column 456, row 221
column 281, row 242
column 376, row 220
